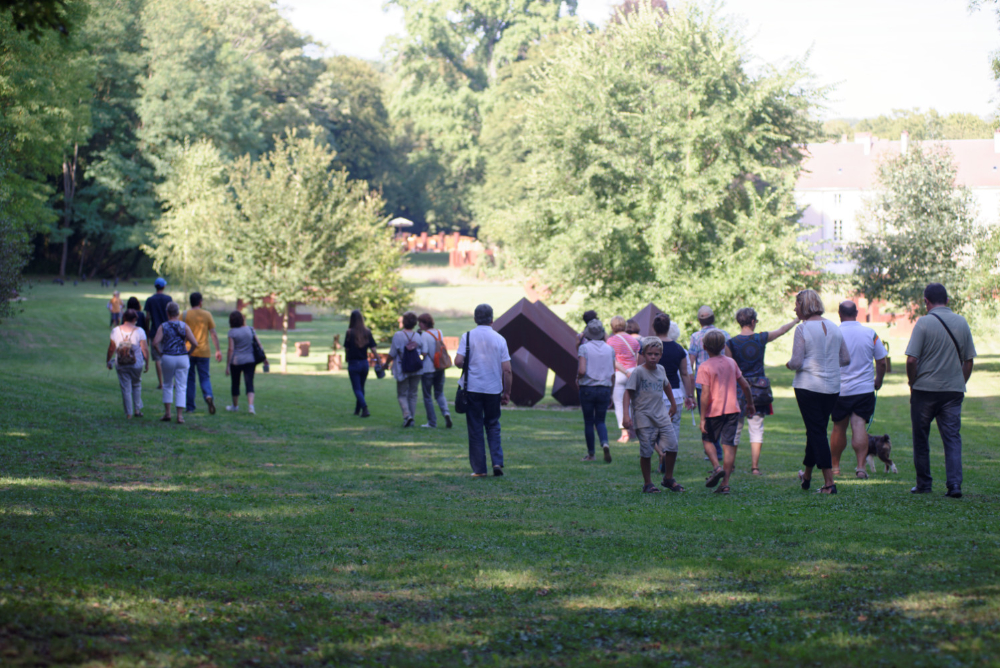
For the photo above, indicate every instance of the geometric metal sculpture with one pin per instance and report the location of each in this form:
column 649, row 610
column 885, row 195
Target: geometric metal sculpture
column 645, row 319
column 528, row 386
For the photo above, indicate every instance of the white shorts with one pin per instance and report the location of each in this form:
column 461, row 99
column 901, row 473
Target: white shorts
column 756, row 428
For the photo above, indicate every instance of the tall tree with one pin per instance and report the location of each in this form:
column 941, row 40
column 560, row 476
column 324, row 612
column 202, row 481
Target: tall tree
column 654, row 158
column 918, row 229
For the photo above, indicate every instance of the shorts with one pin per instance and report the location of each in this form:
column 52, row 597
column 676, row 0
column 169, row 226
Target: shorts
column 154, row 354
column 862, row 405
column 650, row 438
column 756, row 428
column 721, row 429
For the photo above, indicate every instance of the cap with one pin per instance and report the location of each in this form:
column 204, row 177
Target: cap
column 160, row 282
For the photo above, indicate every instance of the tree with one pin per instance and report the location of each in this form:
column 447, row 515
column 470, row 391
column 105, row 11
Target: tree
column 36, row 16
column 13, row 254
column 653, row 160
column 918, row 228
column 920, row 125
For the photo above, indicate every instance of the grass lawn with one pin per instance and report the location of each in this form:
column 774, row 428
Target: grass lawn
column 305, row 536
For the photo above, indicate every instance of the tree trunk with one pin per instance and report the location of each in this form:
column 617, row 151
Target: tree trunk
column 69, row 192
column 284, row 341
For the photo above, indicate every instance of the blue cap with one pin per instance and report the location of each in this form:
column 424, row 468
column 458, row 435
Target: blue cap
column 160, row 282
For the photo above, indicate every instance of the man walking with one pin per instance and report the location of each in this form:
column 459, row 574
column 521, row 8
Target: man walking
column 698, row 355
column 938, row 365
column 487, row 379
column 202, row 326
column 859, row 382
column 156, row 315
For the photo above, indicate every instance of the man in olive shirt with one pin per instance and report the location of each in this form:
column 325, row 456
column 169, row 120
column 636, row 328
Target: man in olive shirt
column 938, row 364
column 202, row 326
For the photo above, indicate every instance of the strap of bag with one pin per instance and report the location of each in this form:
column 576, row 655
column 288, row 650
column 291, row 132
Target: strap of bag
column 951, row 336
column 468, row 356
column 635, row 355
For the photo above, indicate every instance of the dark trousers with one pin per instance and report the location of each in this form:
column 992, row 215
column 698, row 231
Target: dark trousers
column 247, row 370
column 594, row 400
column 704, row 437
column 483, row 412
column 202, row 365
column 357, row 371
column 946, row 408
column 816, row 408
column 433, row 390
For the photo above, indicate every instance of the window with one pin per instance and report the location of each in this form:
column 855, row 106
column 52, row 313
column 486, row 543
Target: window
column 838, row 230
column 836, row 198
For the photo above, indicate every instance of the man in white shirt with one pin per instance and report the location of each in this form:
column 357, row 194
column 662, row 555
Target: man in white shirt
column 487, row 387
column 859, row 381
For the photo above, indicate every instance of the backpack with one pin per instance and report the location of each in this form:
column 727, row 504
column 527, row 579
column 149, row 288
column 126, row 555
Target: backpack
column 124, row 353
column 442, row 360
column 410, row 360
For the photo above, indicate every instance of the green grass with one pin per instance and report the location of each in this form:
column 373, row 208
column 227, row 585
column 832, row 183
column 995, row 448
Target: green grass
column 306, row 536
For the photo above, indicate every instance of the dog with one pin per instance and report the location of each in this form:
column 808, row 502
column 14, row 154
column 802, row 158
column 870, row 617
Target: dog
column 881, row 447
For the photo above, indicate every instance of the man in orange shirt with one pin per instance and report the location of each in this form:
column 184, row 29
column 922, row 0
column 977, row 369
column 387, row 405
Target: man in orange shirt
column 202, row 326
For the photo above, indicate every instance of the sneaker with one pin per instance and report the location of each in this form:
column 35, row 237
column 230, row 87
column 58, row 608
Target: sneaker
column 498, row 471
column 428, row 426
column 252, row 411
column 211, row 405
column 233, row 409
column 607, row 453
column 447, row 421
column 479, row 475
column 408, row 422
column 920, row 490
column 588, row 458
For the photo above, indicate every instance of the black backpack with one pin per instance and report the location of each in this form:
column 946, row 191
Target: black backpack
column 410, row 361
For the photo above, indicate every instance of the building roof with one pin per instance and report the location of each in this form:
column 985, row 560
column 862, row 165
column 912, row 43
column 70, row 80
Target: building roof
column 846, row 166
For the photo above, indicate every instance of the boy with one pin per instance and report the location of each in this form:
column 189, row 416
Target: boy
column 720, row 410
column 653, row 422
column 115, row 306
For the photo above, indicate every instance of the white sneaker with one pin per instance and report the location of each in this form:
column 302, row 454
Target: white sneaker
column 252, row 411
column 427, row 426
column 232, row 409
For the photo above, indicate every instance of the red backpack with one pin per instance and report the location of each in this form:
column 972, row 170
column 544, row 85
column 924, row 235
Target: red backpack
column 442, row 360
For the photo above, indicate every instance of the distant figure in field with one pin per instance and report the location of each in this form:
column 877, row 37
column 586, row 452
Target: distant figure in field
column 626, row 359
column 697, row 355
column 486, row 380
column 747, row 350
column 239, row 360
column 170, row 341
column 818, row 353
column 595, row 376
column 202, row 325
column 406, row 358
column 156, row 315
column 436, row 360
column 654, row 427
column 141, row 322
column 358, row 344
column 859, row 381
column 128, row 344
column 938, row 365
column 115, row 306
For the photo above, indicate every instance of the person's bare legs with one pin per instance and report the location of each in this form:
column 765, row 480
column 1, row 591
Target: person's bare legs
column 827, row 477
column 159, row 375
column 236, row 401
column 249, row 399
column 859, row 439
column 166, row 412
column 838, row 442
column 646, row 468
column 710, row 451
column 624, row 437
column 669, row 459
column 180, row 414
column 728, row 462
column 755, row 456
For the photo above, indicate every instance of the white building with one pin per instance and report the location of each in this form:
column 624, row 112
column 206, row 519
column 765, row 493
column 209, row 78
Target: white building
column 836, row 177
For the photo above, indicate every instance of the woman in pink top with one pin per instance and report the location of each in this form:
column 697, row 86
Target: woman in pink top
column 626, row 349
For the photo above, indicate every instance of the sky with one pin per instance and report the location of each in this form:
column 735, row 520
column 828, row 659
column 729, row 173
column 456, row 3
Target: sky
column 880, row 55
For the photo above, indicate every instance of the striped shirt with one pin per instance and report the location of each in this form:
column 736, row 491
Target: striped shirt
column 626, row 349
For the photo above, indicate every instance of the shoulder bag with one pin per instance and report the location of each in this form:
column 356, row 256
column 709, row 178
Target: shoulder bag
column 461, row 402
column 258, row 352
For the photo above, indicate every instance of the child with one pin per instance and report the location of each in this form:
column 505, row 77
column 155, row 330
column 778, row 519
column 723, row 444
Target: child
column 720, row 411
column 653, row 424
column 115, row 306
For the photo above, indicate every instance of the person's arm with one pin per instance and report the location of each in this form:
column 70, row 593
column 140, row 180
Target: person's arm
column 508, row 377
column 626, row 413
column 967, row 369
column 111, row 353
column 218, row 349
column 911, row 369
column 880, row 367
column 581, row 369
column 190, row 337
column 706, row 401
column 230, row 351
column 745, row 386
column 798, row 351
column 144, row 346
column 459, row 355
column 158, row 339
column 669, row 391
column 845, row 353
column 687, row 382
column 727, row 351
column 772, row 335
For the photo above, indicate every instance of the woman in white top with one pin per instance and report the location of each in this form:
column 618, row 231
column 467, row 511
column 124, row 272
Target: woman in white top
column 595, row 376
column 130, row 376
column 818, row 352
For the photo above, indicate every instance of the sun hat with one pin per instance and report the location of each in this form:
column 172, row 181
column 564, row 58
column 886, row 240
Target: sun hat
column 594, row 331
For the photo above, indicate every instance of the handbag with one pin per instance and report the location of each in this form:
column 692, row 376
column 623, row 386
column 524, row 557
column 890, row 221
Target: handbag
column 258, row 352
column 760, row 391
column 461, row 401
column 379, row 368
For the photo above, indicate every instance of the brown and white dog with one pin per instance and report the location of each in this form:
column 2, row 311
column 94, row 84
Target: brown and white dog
column 881, row 447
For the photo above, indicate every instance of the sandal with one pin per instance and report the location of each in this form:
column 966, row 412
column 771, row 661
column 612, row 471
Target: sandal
column 755, row 471
column 166, row 418
column 861, row 474
column 672, row 485
column 803, row 480
column 650, row 489
column 715, row 477
column 722, row 490
column 827, row 489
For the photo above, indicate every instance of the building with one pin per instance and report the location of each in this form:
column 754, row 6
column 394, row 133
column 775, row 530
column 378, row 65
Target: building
column 836, row 178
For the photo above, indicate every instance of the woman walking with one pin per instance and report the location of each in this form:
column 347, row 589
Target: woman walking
column 436, row 361
column 407, row 361
column 747, row 350
column 169, row 342
column 358, row 341
column 626, row 349
column 140, row 320
column 818, row 352
column 130, row 350
column 595, row 376
column 240, row 360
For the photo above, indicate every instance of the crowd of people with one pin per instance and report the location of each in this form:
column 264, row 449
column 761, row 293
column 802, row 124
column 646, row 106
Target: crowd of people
column 648, row 381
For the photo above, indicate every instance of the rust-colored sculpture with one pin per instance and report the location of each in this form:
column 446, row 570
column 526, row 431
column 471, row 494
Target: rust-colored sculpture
column 645, row 319
column 528, row 386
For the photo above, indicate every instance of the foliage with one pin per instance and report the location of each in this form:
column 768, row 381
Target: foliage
column 651, row 157
column 921, row 126
column 37, row 16
column 918, row 228
column 13, row 254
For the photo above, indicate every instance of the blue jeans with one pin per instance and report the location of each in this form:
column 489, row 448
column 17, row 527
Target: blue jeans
column 594, row 400
column 946, row 408
column 357, row 371
column 433, row 387
column 202, row 364
column 704, row 437
column 483, row 412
